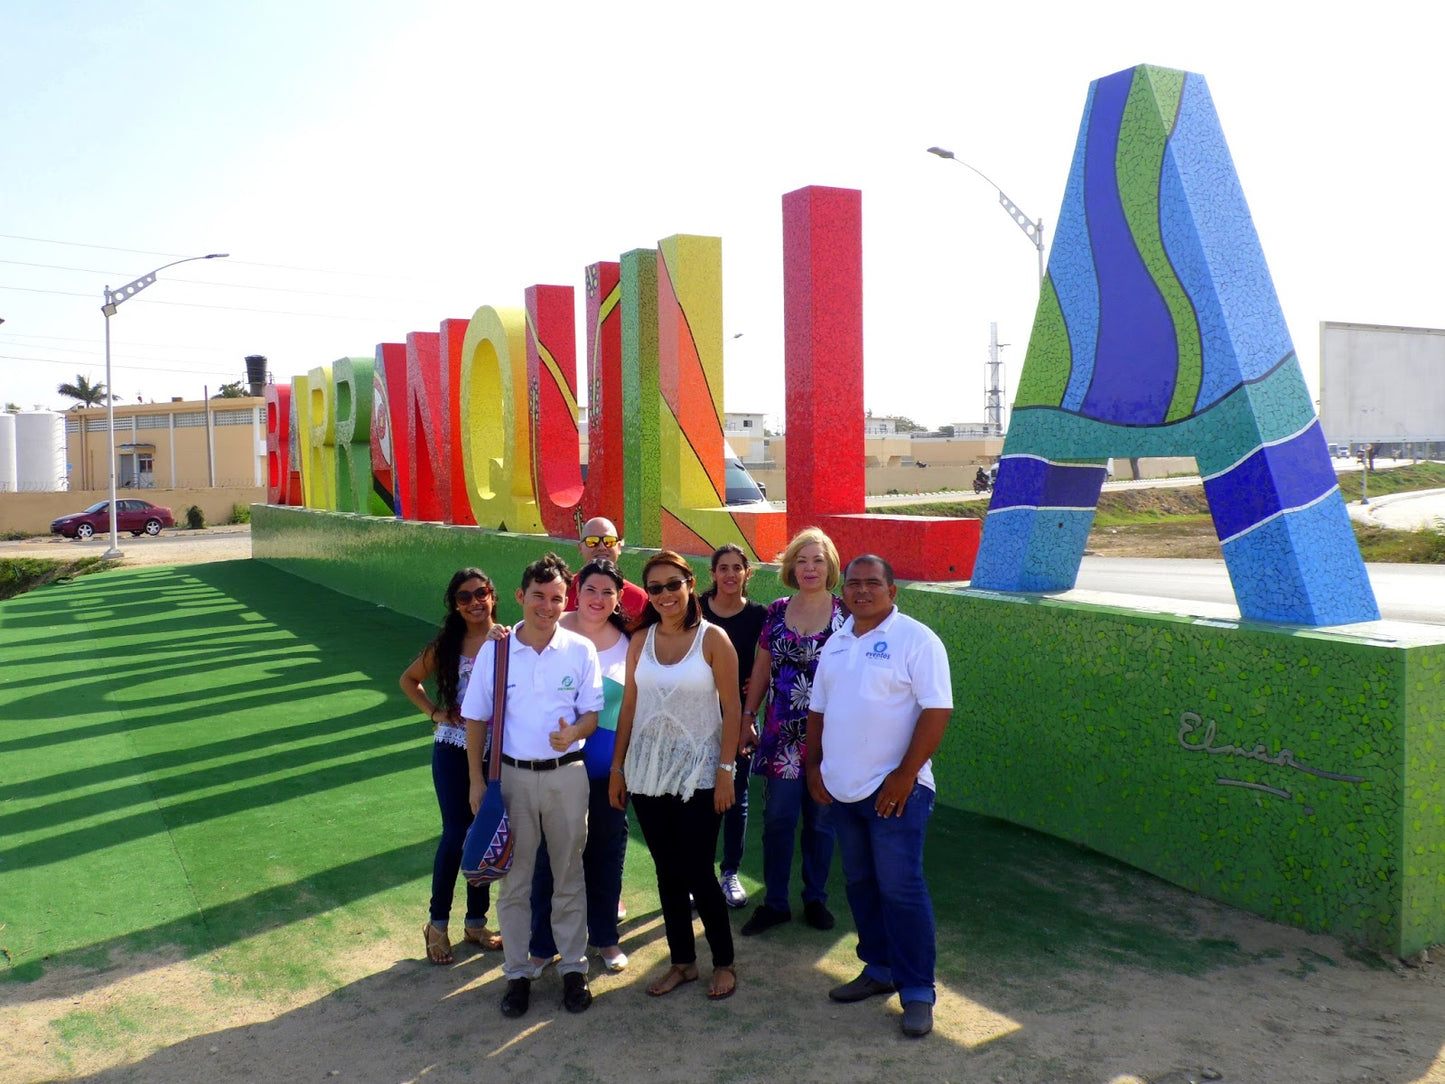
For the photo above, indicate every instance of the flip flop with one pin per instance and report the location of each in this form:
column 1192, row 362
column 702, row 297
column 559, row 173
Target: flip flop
column 438, row 947
column 482, row 938
column 675, row 976
column 713, row 993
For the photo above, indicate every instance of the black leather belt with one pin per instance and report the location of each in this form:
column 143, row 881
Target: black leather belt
column 542, row 765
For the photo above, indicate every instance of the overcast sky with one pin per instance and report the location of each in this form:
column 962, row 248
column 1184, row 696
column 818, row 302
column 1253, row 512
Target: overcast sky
column 376, row 167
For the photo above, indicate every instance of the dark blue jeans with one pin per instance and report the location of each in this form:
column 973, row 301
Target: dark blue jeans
column 883, row 866
column 735, row 820
column 602, row 860
column 682, row 838
column 784, row 800
column 452, row 780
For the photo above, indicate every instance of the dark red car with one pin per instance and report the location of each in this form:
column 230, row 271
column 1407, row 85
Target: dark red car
column 135, row 517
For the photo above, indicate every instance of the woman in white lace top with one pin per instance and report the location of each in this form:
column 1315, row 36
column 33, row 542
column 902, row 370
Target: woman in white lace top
column 677, row 739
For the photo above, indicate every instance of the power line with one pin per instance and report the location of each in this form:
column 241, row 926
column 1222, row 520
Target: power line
column 234, row 262
column 194, row 282
column 198, row 305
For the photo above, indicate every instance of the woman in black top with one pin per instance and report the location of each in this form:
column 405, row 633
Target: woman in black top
column 726, row 605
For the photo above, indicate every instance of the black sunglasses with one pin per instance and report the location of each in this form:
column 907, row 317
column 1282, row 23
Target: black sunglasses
column 656, row 589
column 464, row 597
column 608, row 540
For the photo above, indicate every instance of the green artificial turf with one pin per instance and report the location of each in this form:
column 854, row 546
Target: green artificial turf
column 216, row 760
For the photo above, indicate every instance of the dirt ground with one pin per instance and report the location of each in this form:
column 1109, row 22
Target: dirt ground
column 1282, row 1006
column 1292, row 1008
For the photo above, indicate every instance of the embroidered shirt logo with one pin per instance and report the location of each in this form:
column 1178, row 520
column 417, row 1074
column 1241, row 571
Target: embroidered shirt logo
column 566, row 683
column 879, row 651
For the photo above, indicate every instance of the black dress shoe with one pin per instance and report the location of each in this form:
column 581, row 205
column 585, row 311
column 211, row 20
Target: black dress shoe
column 517, row 997
column 860, row 989
column 817, row 915
column 576, row 995
column 917, row 1018
column 765, row 918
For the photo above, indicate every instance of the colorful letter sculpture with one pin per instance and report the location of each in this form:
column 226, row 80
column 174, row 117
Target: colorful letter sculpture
column 278, row 444
column 823, row 333
column 389, row 452
column 689, row 408
column 1158, row 332
column 354, row 389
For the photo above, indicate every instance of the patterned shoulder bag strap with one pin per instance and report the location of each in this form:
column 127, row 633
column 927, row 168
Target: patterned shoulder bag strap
column 501, row 653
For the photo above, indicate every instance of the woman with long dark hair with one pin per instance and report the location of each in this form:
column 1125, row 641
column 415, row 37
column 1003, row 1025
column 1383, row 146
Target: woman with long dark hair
column 677, row 737
column 471, row 603
column 726, row 605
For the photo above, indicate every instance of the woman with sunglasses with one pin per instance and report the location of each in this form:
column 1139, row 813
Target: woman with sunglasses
column 726, row 605
column 794, row 632
column 598, row 617
column 470, row 620
column 677, row 737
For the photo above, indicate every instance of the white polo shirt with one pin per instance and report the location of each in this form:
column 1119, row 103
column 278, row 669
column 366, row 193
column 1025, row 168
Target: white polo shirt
column 562, row 681
column 870, row 691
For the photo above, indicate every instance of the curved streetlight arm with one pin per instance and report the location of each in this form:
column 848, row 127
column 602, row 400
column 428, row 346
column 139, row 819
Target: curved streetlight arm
column 113, row 298
column 1033, row 229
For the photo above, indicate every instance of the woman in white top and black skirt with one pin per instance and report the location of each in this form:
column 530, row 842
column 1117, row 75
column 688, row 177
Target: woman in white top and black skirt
column 677, row 737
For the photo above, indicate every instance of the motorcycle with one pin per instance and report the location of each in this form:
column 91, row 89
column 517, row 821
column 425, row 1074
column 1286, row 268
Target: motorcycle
column 982, row 485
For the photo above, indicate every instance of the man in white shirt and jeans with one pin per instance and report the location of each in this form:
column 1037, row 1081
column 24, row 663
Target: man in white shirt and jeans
column 882, row 696
column 554, row 692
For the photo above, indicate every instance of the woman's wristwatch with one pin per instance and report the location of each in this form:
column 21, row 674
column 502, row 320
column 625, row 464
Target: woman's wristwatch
column 729, row 768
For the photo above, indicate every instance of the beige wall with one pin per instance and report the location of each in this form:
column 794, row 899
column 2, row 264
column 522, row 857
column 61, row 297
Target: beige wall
column 33, row 511
column 180, row 453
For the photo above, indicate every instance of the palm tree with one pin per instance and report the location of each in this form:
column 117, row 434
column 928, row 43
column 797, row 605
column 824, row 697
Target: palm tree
column 85, row 393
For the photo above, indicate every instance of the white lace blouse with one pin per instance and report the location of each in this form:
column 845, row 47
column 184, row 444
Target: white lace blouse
column 676, row 739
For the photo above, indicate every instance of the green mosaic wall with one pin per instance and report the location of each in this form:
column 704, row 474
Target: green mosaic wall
column 1295, row 773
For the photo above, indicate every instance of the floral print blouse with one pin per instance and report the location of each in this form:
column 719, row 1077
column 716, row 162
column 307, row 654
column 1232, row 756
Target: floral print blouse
column 783, row 729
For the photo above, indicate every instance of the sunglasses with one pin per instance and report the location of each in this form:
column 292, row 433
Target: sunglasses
column 608, row 540
column 656, row 589
column 464, row 597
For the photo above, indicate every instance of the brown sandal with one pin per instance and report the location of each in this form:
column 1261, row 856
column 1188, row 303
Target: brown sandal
column 674, row 977
column 482, row 937
column 714, row 993
column 438, row 947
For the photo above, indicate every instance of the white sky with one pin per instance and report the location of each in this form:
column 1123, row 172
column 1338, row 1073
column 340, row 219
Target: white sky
column 375, row 166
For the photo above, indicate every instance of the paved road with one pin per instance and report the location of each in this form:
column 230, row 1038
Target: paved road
column 1404, row 592
column 231, row 542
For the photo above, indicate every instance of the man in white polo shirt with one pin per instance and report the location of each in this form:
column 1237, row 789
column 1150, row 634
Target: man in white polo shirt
column 554, row 691
column 882, row 697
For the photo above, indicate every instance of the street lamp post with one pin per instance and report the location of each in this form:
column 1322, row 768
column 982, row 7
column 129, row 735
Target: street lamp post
column 1033, row 228
column 113, row 299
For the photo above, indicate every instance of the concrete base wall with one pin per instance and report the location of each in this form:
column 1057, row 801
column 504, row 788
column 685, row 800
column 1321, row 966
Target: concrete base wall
column 33, row 512
column 1296, row 773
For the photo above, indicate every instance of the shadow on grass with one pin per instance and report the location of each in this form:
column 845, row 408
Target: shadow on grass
column 1011, row 903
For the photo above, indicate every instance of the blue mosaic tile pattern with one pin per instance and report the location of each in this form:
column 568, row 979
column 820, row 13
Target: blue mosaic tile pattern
column 1159, row 333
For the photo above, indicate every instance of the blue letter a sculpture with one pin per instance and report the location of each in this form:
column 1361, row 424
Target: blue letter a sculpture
column 1158, row 333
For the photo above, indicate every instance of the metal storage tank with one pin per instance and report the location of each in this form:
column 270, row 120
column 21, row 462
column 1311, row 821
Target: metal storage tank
column 40, row 451
column 7, row 454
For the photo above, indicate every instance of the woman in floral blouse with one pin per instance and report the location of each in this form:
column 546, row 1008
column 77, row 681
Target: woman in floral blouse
column 794, row 632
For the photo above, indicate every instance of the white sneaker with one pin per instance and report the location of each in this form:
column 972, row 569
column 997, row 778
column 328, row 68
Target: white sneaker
column 614, row 963
column 733, row 891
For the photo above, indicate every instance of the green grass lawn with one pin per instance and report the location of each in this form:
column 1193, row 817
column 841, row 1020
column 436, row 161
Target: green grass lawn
column 216, row 761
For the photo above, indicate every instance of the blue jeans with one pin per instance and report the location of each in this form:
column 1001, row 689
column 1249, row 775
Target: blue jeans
column 735, row 820
column 602, row 860
column 784, row 800
column 883, row 867
column 452, row 780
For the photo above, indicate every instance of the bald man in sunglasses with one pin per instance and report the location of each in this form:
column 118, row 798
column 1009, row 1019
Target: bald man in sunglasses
column 600, row 540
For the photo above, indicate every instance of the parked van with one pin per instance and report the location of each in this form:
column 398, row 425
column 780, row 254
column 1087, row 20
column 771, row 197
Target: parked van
column 742, row 487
